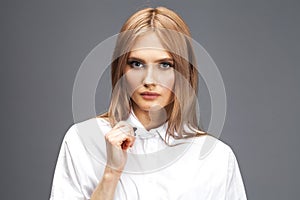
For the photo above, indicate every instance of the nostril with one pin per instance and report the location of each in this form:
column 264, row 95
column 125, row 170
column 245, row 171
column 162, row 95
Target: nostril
column 148, row 84
column 148, row 81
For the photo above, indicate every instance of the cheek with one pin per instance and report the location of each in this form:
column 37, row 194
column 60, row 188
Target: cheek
column 132, row 81
column 168, row 81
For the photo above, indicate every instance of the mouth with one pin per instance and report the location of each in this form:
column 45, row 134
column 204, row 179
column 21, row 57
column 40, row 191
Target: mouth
column 149, row 95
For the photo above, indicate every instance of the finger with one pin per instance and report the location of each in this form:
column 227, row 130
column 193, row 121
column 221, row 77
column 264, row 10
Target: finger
column 128, row 143
column 130, row 140
column 117, row 138
column 121, row 137
column 123, row 141
column 125, row 145
column 126, row 129
column 118, row 128
column 120, row 131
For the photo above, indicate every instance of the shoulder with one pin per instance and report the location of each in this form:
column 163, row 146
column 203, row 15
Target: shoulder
column 86, row 128
column 215, row 153
column 208, row 146
column 84, row 139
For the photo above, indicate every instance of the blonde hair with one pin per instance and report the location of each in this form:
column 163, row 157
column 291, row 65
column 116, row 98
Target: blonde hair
column 174, row 35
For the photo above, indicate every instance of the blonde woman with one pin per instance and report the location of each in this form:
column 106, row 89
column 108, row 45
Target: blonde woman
column 152, row 139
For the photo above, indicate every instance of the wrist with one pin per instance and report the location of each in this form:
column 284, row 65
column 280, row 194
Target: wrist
column 111, row 174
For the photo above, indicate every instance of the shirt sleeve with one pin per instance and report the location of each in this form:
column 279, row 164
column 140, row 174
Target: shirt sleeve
column 65, row 183
column 235, row 189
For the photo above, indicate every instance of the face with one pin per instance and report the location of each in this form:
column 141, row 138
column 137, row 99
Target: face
column 149, row 74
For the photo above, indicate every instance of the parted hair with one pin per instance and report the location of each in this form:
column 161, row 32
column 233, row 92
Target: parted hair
column 174, row 35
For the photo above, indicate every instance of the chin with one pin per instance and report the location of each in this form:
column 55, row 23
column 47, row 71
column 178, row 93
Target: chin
column 153, row 107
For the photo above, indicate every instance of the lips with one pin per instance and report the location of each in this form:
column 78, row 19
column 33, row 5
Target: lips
column 149, row 95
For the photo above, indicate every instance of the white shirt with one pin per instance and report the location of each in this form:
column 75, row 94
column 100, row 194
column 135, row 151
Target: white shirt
column 154, row 171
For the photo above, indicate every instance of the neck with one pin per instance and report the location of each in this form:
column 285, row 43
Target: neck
column 150, row 118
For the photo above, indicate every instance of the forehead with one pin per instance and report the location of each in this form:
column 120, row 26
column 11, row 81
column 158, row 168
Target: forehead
column 149, row 45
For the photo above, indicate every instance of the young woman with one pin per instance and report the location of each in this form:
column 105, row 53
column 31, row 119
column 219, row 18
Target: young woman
column 152, row 139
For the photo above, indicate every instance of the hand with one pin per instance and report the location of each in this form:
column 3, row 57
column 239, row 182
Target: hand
column 118, row 140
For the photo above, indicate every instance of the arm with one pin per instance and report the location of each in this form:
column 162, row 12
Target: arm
column 65, row 184
column 235, row 186
column 118, row 140
column 107, row 186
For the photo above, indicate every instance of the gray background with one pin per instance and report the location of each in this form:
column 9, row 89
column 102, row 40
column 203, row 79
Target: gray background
column 254, row 43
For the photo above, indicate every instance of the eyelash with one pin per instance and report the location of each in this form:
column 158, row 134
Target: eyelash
column 134, row 62
column 169, row 64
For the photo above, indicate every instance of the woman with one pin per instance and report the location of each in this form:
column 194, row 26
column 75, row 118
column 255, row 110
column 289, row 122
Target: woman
column 151, row 133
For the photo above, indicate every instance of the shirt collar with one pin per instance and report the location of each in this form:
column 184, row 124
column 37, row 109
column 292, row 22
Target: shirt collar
column 142, row 132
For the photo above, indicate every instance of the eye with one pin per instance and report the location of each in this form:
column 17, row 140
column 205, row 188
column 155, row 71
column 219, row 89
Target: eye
column 166, row 65
column 135, row 64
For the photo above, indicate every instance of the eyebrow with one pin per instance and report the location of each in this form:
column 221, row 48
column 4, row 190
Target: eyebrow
column 157, row 61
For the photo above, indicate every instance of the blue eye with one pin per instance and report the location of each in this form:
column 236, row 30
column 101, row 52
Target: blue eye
column 135, row 64
column 166, row 65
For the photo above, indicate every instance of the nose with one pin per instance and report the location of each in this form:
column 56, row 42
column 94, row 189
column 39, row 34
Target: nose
column 149, row 78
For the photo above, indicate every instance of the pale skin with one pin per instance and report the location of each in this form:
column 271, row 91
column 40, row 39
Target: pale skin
column 149, row 70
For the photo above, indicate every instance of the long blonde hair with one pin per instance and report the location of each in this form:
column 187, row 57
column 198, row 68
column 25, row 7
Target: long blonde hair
column 174, row 35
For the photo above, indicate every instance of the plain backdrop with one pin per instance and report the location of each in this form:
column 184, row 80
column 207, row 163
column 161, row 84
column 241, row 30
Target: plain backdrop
column 255, row 44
